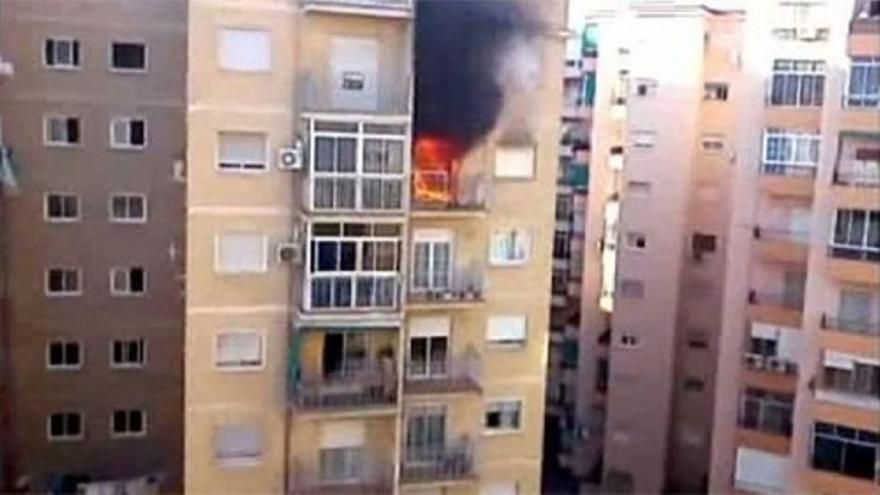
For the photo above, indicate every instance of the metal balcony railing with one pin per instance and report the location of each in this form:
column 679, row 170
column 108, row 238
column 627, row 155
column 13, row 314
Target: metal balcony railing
column 850, row 325
column 772, row 364
column 461, row 285
column 766, row 415
column 432, row 463
column 848, row 384
column 354, row 389
column 381, row 4
column 455, row 374
column 365, row 476
column 355, row 291
column 859, row 253
column 862, row 177
column 441, row 190
column 780, row 299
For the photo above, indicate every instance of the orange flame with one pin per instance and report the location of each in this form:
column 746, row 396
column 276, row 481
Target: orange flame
column 436, row 170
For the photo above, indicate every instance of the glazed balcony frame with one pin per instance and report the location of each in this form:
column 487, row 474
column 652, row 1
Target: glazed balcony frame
column 367, row 388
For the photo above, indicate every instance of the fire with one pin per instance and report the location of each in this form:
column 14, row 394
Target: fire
column 436, row 170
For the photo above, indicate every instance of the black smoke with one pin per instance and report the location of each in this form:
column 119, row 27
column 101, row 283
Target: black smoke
column 459, row 46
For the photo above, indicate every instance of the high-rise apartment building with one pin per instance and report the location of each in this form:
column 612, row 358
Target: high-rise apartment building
column 360, row 317
column 729, row 335
column 93, row 120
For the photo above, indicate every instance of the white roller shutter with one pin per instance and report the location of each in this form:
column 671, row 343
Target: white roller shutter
column 343, row 434
column 760, row 472
column 430, row 327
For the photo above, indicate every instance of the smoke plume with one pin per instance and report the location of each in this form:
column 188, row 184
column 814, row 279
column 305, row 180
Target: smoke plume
column 463, row 66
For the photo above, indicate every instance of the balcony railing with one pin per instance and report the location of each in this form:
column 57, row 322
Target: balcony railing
column 456, row 374
column 786, row 170
column 366, row 388
column 860, row 177
column 779, row 299
column 356, row 291
column 365, row 477
column 400, row 4
column 432, row 463
column 850, row 325
column 858, row 253
column 766, row 415
column 442, row 191
column 461, row 286
column 779, row 234
column 772, row 364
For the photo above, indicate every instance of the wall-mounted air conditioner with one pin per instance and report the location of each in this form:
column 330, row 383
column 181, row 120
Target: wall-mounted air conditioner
column 291, row 158
column 289, row 252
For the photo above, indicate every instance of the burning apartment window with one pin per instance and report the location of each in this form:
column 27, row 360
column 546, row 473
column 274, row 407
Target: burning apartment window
column 509, row 247
column 515, row 162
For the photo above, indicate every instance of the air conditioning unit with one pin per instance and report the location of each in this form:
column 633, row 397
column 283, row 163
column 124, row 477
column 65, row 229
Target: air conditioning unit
column 776, row 364
column 289, row 252
column 291, row 158
column 754, row 361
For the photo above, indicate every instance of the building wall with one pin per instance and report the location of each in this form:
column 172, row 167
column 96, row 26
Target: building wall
column 94, row 171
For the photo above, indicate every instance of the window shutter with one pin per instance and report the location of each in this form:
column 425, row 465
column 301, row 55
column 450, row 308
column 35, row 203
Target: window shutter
column 241, row 253
column 506, row 329
column 343, row 434
column 760, row 470
column 242, row 149
column 246, row 50
column 515, row 162
column 237, row 441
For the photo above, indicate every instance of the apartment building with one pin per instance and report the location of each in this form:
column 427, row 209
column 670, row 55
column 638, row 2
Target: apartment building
column 357, row 318
column 93, row 118
column 568, row 255
column 797, row 400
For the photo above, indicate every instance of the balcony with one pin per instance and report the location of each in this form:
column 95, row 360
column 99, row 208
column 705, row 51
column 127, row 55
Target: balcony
column 769, row 372
column 451, row 462
column 441, row 193
column 848, row 392
column 858, row 327
column 778, row 308
column 453, row 375
column 856, row 265
column 794, row 181
column 352, row 292
column 366, row 477
column 781, row 245
column 364, row 389
column 387, row 95
column 765, row 421
column 460, row 289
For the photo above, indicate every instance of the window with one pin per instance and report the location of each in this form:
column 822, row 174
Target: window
column 507, row 330
column 766, row 411
column 509, row 247
column 856, row 234
column 61, row 207
column 561, row 245
column 629, row 341
column 130, row 353
column 128, row 423
column 645, row 87
column 63, row 282
column 242, row 151
column 428, row 356
column 240, row 253
column 341, row 463
column 715, row 91
column 850, row 374
column 432, row 260
column 797, row 83
column 761, row 472
column 636, row 240
column 128, row 208
column 564, row 208
column 354, row 64
column 864, row 82
column 237, row 444
column 633, row 289
column 643, row 139
column 693, row 384
column 515, row 162
column 703, row 243
column 854, row 311
column 128, row 56
column 239, row 350
column 65, row 426
column 62, row 130
column 128, row 281
column 712, row 143
column 845, row 450
column 697, row 339
column 790, row 153
column 503, row 415
column 61, row 53
column 638, row 187
column 64, row 355
column 500, row 488
column 425, row 433
column 128, row 133
column 245, row 50
column 803, row 20
column 344, row 354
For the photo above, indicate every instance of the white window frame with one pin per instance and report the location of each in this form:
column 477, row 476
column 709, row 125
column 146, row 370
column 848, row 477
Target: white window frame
column 863, row 99
column 433, row 237
column 127, row 292
column 125, row 70
column 128, row 365
column 241, row 168
column 63, row 39
column 504, row 344
column 258, row 70
column 128, row 196
column 117, row 145
column 863, row 246
column 791, row 140
column 264, row 266
column 504, row 431
column 63, row 194
column 76, row 293
column 359, row 175
column 66, row 438
column 238, row 368
column 800, row 73
column 118, row 435
column 62, row 144
column 520, row 233
column 65, row 367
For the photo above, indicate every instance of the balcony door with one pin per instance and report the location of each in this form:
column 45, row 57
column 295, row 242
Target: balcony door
column 345, row 354
column 425, row 433
column 428, row 349
column 432, row 260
